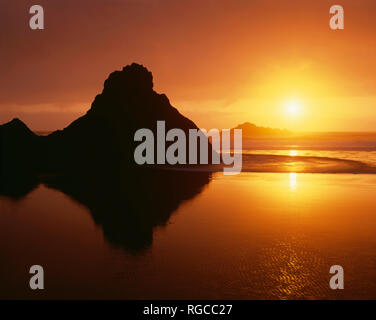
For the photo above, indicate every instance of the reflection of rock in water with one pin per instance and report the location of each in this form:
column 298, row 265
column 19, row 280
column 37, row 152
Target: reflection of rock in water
column 17, row 186
column 127, row 206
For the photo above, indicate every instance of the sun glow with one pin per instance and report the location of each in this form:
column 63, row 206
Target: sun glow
column 293, row 108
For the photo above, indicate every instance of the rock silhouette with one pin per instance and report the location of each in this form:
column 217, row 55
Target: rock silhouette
column 103, row 137
column 250, row 130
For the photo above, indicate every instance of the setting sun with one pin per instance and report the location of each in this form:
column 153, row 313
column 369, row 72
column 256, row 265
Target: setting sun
column 293, row 108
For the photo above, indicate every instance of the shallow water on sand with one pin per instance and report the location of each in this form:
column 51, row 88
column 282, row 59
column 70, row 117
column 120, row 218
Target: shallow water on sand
column 366, row 157
column 250, row 236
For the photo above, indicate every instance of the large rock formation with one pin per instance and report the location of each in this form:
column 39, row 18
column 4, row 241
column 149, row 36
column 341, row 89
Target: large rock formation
column 103, row 138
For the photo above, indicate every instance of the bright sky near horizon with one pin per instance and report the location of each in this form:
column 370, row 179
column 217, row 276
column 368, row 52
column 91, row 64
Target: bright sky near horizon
column 271, row 62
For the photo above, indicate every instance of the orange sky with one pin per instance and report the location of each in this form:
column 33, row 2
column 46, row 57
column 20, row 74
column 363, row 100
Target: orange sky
column 220, row 62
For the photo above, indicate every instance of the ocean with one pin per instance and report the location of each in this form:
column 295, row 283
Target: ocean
column 271, row 232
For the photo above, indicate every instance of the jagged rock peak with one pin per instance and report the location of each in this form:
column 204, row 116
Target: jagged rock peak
column 132, row 78
column 16, row 125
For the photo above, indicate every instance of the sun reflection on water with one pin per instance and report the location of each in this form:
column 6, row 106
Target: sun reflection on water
column 293, row 181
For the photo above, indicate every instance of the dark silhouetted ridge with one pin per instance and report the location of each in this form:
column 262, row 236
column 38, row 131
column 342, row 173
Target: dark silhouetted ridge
column 251, row 130
column 104, row 136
